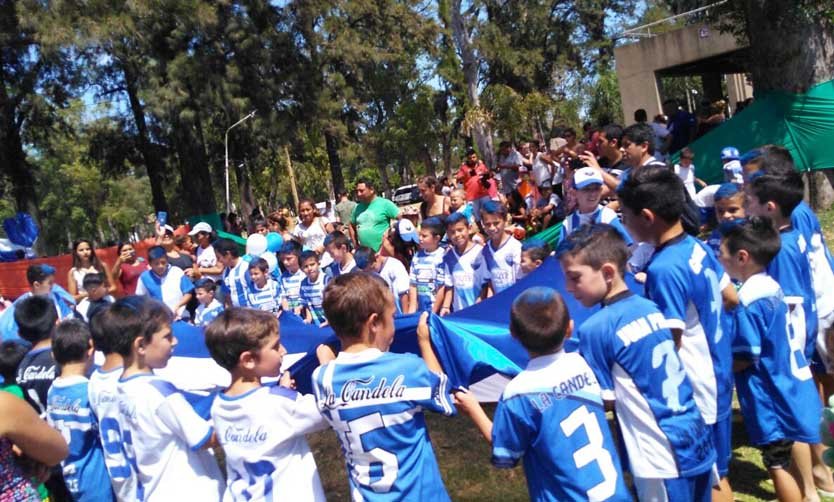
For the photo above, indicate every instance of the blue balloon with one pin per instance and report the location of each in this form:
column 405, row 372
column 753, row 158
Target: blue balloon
column 274, row 241
column 247, row 258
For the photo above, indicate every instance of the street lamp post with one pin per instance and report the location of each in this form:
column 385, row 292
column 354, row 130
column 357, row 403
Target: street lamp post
column 226, row 144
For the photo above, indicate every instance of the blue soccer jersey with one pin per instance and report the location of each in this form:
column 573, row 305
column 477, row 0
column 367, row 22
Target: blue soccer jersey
column 502, row 265
column 551, row 415
column 68, row 410
column 601, row 214
column 633, row 356
column 464, row 273
column 427, row 276
column 685, row 280
column 791, row 270
column 822, row 264
column 312, row 297
column 291, row 288
column 207, row 313
column 267, row 298
column 776, row 392
column 374, row 402
column 236, row 282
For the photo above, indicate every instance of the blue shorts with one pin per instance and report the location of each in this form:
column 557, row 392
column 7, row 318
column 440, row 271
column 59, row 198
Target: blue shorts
column 696, row 488
column 722, row 432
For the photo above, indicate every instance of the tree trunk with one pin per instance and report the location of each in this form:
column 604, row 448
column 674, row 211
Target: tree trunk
column 244, row 187
column 153, row 164
column 18, row 170
column 332, row 144
column 481, row 131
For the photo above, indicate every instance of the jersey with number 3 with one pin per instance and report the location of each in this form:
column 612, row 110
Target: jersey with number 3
column 267, row 457
column 685, row 279
column 633, row 357
column 552, row 415
column 104, row 401
column 374, row 402
column 776, row 392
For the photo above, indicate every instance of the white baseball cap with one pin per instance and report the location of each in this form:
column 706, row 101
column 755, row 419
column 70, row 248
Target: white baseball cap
column 200, row 227
column 407, row 231
column 586, row 176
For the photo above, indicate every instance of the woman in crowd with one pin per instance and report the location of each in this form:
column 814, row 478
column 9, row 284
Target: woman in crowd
column 85, row 261
column 128, row 267
column 434, row 202
column 311, row 230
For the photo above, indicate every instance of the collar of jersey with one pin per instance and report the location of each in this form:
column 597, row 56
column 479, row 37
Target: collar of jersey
column 105, row 372
column 35, row 352
column 358, row 357
column 133, row 377
column 540, row 362
column 69, row 381
column 757, row 287
column 616, row 298
column 225, row 397
column 673, row 240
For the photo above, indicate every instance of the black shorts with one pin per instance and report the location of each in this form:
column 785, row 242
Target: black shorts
column 777, row 455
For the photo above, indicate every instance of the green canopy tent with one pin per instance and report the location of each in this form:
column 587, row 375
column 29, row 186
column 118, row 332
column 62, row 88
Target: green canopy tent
column 802, row 123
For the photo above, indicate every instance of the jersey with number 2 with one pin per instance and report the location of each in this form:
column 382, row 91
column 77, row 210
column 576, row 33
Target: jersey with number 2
column 374, row 402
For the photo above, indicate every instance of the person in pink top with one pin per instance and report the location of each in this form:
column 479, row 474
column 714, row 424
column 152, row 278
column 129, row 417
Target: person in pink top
column 478, row 182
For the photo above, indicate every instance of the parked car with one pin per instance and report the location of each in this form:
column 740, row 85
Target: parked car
column 406, row 194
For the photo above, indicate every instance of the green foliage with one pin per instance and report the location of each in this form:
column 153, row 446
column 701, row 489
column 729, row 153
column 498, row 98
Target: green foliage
column 605, row 106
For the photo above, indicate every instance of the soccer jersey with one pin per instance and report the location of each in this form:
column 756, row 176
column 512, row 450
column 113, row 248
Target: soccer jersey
column 791, row 270
column 163, row 436
column 207, row 313
column 427, row 277
column 291, row 288
column 336, row 269
column 68, row 411
column 601, row 214
column 35, row 374
column 169, row 289
column 104, row 401
column 236, row 282
column 633, row 356
column 267, row 298
column 552, row 415
column 776, row 392
column 714, row 241
column 464, row 273
column 312, row 297
column 394, row 274
column 207, row 258
column 685, row 280
column 87, row 308
column 822, row 264
column 374, row 402
column 503, row 265
column 262, row 433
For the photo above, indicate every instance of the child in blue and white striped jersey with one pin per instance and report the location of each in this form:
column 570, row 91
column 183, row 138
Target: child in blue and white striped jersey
column 264, row 293
column 312, row 289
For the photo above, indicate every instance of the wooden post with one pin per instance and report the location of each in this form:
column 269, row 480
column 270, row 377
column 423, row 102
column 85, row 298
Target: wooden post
column 292, row 178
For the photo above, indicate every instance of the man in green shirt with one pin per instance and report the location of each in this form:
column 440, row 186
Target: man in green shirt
column 371, row 216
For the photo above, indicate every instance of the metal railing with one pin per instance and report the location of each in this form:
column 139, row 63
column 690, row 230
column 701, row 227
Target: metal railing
column 644, row 31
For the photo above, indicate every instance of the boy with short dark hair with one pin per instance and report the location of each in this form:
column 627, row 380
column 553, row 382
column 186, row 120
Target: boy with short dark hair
column 425, row 291
column 533, row 254
column 338, row 246
column 165, row 282
column 209, row 307
column 391, row 270
column 167, row 438
column 11, row 354
column 633, row 356
column 589, row 184
column 235, row 278
column 773, row 379
column 312, row 289
column 68, row 410
column 275, row 463
column 291, row 277
column 374, row 399
column 548, row 411
column 36, row 318
column 502, row 253
column 686, row 281
column 463, row 267
column 729, row 207
column 96, row 299
column 105, row 328
column 264, row 293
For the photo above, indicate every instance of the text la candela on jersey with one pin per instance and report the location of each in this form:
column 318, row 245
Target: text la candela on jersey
column 359, row 390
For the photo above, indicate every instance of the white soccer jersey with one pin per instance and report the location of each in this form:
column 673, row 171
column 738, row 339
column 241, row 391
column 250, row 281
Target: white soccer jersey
column 503, row 265
column 267, row 456
column 164, row 436
column 396, row 276
column 104, row 401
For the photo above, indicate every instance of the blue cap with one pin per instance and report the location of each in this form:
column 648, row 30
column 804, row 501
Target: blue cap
column 729, row 153
column 47, row 269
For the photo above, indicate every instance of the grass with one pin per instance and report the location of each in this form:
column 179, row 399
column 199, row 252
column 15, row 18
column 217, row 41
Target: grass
column 464, row 456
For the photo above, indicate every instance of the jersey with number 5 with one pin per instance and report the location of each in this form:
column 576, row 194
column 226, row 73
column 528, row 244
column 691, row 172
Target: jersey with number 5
column 552, row 415
column 685, row 280
column 633, row 356
column 374, row 402
column 776, row 392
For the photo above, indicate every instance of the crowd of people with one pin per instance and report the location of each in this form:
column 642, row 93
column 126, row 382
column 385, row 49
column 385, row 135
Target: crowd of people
column 738, row 293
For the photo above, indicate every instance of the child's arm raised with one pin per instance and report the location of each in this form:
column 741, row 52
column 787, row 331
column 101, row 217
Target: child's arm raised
column 424, row 341
column 466, row 401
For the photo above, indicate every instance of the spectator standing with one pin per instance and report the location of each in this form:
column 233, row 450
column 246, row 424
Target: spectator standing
column 682, row 125
column 311, row 230
column 478, row 182
column 434, row 202
column 128, row 267
column 509, row 160
column 371, row 216
column 85, row 261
